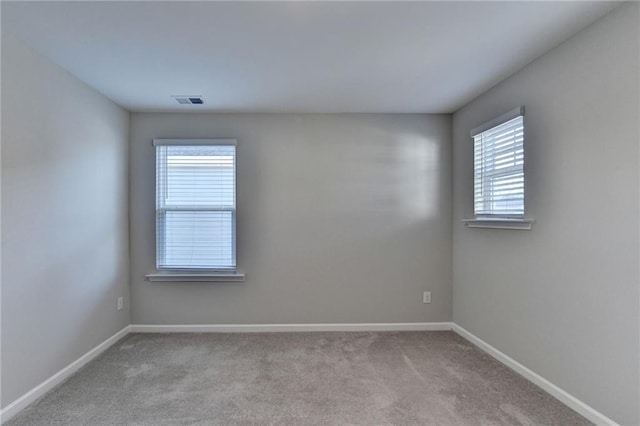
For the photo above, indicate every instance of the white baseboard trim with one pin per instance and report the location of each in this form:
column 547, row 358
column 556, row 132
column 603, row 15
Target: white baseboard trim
column 561, row 395
column 22, row 402
column 273, row 328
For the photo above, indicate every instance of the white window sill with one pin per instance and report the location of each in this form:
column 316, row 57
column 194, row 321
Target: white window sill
column 491, row 223
column 196, row 276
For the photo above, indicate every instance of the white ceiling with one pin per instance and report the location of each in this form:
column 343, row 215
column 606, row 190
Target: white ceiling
column 296, row 56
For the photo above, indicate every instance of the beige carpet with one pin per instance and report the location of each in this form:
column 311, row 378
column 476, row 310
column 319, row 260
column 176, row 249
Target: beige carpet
column 390, row 378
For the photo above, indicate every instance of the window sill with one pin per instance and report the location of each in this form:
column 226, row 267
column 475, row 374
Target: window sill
column 489, row 223
column 196, row 277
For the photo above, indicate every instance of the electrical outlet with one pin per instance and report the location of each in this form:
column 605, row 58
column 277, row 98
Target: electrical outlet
column 426, row 297
column 120, row 303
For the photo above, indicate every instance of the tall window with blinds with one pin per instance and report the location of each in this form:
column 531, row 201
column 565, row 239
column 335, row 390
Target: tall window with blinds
column 499, row 167
column 195, row 205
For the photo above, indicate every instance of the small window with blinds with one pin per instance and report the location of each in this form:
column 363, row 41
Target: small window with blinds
column 195, row 205
column 499, row 167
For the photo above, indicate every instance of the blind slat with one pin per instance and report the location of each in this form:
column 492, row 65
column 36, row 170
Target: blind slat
column 195, row 206
column 499, row 169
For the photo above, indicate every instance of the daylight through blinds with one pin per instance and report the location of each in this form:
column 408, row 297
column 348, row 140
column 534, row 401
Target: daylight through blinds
column 499, row 170
column 195, row 206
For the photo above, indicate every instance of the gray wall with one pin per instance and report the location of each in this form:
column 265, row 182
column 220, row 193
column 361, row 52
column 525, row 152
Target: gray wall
column 341, row 218
column 563, row 298
column 64, row 218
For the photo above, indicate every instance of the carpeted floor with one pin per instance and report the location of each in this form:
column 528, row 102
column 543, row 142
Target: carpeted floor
column 381, row 378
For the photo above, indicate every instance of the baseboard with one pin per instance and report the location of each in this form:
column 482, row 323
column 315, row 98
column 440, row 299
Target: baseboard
column 22, row 402
column 561, row 395
column 273, row 328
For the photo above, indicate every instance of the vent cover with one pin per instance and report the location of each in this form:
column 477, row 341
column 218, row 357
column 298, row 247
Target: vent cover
column 189, row 100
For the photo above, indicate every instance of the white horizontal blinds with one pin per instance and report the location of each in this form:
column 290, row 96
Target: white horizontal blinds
column 499, row 170
column 196, row 206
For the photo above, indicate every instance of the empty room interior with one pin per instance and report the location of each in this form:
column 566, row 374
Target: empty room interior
column 320, row 213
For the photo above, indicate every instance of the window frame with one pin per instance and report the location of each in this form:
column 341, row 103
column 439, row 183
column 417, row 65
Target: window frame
column 490, row 125
column 501, row 221
column 160, row 212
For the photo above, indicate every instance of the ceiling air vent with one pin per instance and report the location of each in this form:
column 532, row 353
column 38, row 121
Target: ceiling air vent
column 189, row 100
